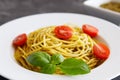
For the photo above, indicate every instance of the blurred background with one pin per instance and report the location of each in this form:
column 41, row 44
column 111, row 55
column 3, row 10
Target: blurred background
column 12, row 9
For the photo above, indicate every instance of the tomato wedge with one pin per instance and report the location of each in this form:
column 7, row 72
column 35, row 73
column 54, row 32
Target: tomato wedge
column 101, row 51
column 63, row 32
column 90, row 30
column 20, row 40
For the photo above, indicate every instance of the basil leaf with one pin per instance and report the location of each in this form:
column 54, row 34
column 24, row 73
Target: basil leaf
column 48, row 69
column 39, row 58
column 57, row 59
column 72, row 66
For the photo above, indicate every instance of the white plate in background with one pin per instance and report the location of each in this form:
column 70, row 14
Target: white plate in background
column 11, row 70
column 92, row 7
column 96, row 4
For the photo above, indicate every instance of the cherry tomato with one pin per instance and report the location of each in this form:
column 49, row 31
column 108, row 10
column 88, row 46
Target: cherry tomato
column 90, row 30
column 63, row 32
column 101, row 51
column 20, row 40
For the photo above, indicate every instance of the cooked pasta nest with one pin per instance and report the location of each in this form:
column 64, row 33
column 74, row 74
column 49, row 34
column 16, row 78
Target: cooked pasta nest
column 79, row 46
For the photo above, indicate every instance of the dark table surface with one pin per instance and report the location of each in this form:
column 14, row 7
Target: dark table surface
column 12, row 9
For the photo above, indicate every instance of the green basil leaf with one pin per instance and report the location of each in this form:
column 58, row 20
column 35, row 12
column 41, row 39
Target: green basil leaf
column 72, row 66
column 57, row 59
column 48, row 69
column 39, row 58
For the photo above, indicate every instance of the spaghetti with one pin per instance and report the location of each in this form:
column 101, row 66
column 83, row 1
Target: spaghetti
column 79, row 46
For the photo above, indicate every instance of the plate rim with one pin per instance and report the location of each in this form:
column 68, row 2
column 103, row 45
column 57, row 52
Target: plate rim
column 2, row 26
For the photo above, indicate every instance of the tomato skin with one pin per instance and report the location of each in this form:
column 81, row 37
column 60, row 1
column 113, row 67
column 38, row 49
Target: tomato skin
column 20, row 40
column 63, row 32
column 101, row 51
column 90, row 30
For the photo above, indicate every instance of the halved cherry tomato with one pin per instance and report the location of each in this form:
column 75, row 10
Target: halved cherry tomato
column 101, row 51
column 63, row 32
column 20, row 40
column 90, row 30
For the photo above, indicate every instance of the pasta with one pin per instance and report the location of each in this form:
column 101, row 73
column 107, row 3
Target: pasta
column 79, row 46
column 114, row 6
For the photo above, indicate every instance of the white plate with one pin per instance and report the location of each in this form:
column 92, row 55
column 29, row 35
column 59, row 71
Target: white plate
column 96, row 4
column 92, row 7
column 10, row 69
